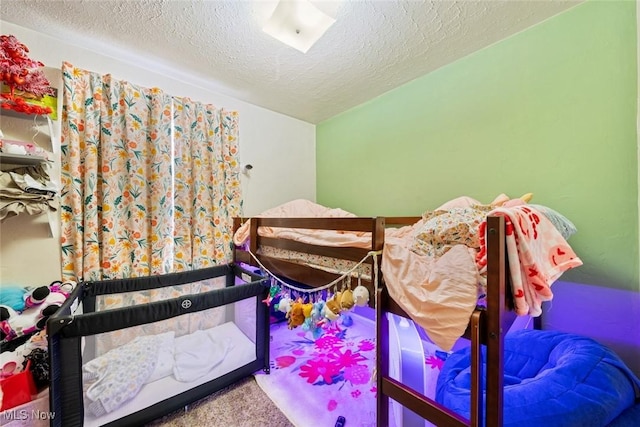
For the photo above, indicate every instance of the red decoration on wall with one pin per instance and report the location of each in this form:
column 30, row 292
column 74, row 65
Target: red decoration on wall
column 21, row 73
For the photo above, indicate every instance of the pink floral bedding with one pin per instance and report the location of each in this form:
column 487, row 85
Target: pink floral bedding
column 537, row 253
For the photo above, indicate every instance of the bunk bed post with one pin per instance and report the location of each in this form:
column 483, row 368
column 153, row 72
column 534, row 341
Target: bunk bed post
column 382, row 322
column 377, row 238
column 253, row 241
column 382, row 357
column 496, row 302
column 476, row 410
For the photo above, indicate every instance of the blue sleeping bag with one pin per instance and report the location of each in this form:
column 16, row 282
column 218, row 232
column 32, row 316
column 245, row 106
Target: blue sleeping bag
column 551, row 379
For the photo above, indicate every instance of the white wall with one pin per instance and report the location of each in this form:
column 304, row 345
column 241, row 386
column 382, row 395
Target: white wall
column 281, row 150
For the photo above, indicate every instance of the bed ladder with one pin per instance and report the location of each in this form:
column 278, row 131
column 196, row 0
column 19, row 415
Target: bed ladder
column 486, row 326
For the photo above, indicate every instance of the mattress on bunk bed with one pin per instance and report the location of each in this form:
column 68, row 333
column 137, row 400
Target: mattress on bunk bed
column 320, row 262
column 434, row 269
column 240, row 351
column 302, row 208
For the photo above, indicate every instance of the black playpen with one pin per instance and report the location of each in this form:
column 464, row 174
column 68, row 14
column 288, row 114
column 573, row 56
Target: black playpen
column 125, row 352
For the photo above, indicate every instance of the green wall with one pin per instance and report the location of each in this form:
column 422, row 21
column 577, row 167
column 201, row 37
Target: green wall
column 551, row 110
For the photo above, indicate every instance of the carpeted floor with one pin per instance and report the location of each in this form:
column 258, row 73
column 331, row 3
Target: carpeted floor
column 312, row 381
column 242, row 404
column 326, row 377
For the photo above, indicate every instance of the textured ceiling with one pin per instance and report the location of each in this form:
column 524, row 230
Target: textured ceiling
column 374, row 45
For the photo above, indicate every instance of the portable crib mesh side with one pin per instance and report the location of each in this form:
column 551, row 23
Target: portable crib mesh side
column 67, row 329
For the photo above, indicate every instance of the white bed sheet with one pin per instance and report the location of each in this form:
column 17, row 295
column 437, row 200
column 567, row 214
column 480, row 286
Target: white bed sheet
column 242, row 352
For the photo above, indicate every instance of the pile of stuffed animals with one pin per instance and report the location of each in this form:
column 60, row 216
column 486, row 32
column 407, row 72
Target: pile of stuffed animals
column 313, row 315
column 23, row 317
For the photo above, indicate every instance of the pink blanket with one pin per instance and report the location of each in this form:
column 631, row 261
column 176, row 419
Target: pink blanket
column 537, row 253
column 302, row 208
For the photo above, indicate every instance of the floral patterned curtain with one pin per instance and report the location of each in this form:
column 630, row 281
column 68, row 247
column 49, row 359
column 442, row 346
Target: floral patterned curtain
column 116, row 177
column 150, row 181
column 206, row 184
column 150, row 186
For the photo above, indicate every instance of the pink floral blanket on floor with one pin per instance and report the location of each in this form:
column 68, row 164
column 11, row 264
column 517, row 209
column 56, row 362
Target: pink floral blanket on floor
column 537, row 253
column 315, row 381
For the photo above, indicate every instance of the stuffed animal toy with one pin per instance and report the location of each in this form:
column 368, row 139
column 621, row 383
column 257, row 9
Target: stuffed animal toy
column 361, row 296
column 307, row 324
column 346, row 299
column 347, row 320
column 334, row 303
column 9, row 325
column 13, row 297
column 306, row 309
column 38, row 310
column 31, row 319
column 296, row 315
column 328, row 313
column 284, row 305
column 316, row 313
column 36, row 296
column 273, row 291
column 314, row 322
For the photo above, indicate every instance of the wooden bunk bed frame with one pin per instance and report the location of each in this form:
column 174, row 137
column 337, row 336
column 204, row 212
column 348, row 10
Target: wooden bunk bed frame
column 308, row 275
column 487, row 325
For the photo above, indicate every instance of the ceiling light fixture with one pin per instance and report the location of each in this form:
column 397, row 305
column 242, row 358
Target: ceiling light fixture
column 298, row 23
